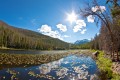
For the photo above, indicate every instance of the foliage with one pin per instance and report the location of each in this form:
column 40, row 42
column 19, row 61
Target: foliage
column 116, row 77
column 118, row 21
column 115, row 12
column 81, row 46
column 104, row 64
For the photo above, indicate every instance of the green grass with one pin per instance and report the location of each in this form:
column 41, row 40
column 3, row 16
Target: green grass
column 116, row 77
column 104, row 65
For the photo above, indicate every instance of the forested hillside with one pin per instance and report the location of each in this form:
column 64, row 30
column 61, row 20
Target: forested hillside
column 12, row 37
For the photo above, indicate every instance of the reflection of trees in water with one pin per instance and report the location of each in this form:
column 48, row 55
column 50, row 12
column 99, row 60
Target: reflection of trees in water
column 71, row 67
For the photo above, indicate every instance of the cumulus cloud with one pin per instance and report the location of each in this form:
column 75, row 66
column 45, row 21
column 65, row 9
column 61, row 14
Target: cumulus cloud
column 90, row 18
column 94, row 9
column 66, row 36
column 80, row 24
column 54, row 34
column 77, row 28
column 83, row 31
column 46, row 30
column 62, row 27
column 98, row 8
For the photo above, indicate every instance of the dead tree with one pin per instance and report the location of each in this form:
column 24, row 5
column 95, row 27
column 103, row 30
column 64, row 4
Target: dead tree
column 103, row 17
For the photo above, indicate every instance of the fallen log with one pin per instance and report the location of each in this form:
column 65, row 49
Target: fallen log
column 95, row 54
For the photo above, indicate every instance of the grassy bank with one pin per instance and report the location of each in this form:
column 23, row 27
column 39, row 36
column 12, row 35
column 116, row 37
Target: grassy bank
column 105, row 65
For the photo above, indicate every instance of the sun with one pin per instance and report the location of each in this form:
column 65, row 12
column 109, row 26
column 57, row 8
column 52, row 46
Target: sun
column 71, row 17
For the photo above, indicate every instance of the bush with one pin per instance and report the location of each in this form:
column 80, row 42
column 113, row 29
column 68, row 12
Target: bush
column 116, row 77
column 104, row 64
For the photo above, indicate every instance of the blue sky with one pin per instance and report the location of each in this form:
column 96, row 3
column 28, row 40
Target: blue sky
column 39, row 15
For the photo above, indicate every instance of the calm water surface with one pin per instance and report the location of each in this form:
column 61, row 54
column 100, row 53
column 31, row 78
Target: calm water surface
column 31, row 51
column 72, row 67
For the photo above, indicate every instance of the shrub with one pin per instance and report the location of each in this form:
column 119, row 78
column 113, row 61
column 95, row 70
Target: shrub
column 104, row 64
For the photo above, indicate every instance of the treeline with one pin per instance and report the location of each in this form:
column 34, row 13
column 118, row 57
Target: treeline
column 12, row 37
column 108, row 39
column 103, row 40
column 82, row 46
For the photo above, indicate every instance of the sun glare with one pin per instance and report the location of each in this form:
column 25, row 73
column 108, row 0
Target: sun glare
column 71, row 17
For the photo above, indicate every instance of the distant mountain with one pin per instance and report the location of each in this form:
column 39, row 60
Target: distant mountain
column 13, row 37
column 78, row 42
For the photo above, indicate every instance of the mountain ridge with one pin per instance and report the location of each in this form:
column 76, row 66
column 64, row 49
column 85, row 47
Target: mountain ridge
column 83, row 41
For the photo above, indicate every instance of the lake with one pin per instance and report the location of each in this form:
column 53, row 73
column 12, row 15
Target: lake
column 72, row 67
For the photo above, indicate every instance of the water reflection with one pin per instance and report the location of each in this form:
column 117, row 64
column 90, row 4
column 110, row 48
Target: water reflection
column 62, row 72
column 73, row 67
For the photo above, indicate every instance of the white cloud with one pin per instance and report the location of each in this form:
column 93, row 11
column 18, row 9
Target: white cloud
column 77, row 28
column 94, row 9
column 98, row 33
column 91, row 18
column 54, row 34
column 83, row 31
column 79, row 25
column 98, row 8
column 66, row 36
column 62, row 27
column 46, row 30
column 89, row 39
column 102, row 8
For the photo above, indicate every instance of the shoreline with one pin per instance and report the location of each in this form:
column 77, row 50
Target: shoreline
column 34, row 59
